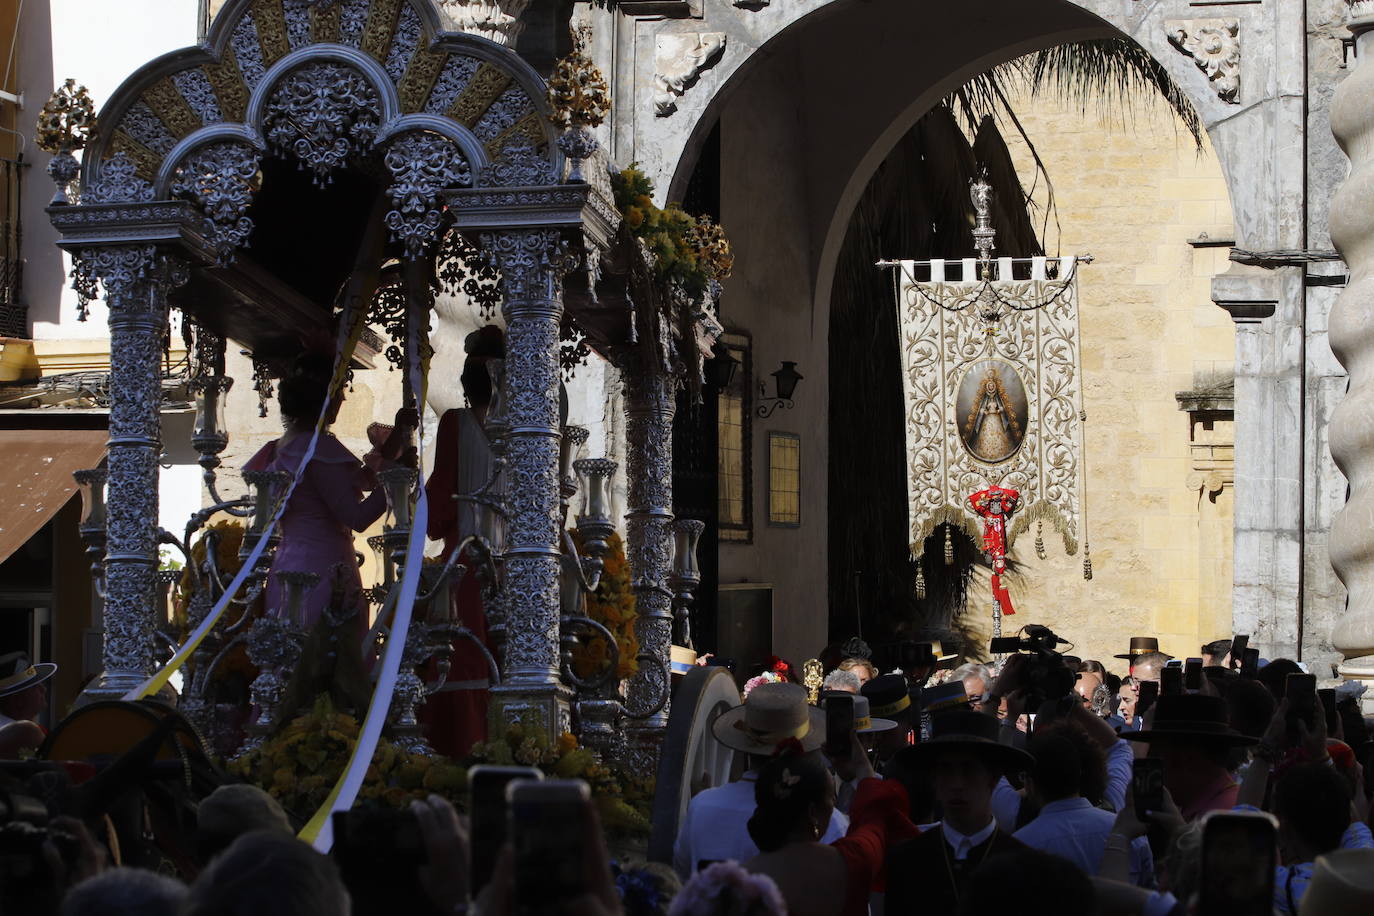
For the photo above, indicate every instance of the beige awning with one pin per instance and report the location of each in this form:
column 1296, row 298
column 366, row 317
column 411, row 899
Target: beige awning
column 36, row 468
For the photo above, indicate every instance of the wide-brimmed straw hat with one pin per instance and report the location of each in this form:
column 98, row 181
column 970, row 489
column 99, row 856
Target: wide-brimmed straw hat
column 770, row 715
column 17, row 673
column 966, row 730
column 1342, row 884
column 1142, row 645
column 1192, row 717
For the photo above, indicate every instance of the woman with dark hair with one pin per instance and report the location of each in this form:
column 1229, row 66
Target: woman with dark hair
column 456, row 716
column 795, row 796
column 328, row 505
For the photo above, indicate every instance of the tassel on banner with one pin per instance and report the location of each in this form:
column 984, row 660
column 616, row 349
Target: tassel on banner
column 1087, row 563
column 949, row 546
column 920, row 581
column 1040, row 539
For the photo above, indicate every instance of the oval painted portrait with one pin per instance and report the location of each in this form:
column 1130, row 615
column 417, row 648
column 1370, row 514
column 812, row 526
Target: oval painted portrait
column 991, row 407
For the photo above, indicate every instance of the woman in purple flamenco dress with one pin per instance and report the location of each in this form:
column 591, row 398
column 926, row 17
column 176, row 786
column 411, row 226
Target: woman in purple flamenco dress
column 329, row 504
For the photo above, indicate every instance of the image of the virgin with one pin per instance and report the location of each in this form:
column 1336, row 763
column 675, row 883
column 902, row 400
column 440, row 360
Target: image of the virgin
column 991, row 411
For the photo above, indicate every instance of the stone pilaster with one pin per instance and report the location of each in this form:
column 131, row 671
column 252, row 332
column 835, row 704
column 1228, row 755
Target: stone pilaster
column 136, row 280
column 649, row 408
column 532, row 267
column 1352, row 340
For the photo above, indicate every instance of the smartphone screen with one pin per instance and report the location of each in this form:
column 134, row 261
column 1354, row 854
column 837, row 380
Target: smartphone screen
column 548, row 828
column 1192, row 674
column 1147, row 786
column 1239, row 852
column 488, row 786
column 1327, row 696
column 1250, row 664
column 1238, row 647
column 839, row 724
column 1149, row 692
column 1300, row 690
column 1171, row 682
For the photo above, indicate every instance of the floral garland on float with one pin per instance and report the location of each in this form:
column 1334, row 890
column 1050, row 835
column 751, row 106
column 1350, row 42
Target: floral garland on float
column 613, row 606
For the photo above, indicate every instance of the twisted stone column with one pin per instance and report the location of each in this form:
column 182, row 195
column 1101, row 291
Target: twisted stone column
column 532, row 265
column 650, row 404
column 136, row 280
column 1352, row 340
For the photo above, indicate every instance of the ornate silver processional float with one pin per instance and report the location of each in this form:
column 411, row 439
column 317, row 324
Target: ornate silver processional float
column 992, row 378
column 478, row 175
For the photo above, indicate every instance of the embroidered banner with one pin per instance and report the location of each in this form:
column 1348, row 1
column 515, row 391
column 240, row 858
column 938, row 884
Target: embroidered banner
column 992, row 376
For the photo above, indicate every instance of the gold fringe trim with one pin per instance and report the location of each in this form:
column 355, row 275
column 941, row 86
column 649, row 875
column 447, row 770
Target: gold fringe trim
column 944, row 515
column 1048, row 512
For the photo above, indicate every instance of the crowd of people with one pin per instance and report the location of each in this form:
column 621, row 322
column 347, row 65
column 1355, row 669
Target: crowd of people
column 1039, row 783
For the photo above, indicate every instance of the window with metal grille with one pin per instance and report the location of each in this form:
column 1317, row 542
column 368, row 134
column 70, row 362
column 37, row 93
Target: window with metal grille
column 14, row 319
column 784, row 480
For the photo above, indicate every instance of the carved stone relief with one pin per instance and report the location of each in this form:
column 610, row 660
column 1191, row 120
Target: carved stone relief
column 494, row 20
column 1214, row 45
column 679, row 59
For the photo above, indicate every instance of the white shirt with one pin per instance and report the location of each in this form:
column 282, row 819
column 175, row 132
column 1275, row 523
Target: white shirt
column 962, row 844
column 716, row 826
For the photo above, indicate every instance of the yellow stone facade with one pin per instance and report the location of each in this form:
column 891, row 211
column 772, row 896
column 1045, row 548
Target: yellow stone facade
column 1159, row 478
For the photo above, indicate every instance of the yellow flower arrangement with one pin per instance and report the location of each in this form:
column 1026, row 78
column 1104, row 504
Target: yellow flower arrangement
column 613, row 606
column 623, row 800
column 300, row 764
column 688, row 250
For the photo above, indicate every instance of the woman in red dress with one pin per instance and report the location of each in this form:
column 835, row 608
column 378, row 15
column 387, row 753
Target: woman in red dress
column 456, row 715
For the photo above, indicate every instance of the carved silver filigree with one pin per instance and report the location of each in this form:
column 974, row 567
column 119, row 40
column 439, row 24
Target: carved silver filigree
column 649, row 408
column 509, row 107
column 519, row 165
column 119, row 182
column 274, row 646
column 403, row 42
column 247, row 51
column 1214, row 45
column 220, row 178
column 136, row 279
column 421, row 164
column 679, row 59
column 453, row 79
column 297, row 14
column 323, row 113
column 147, row 128
column 195, row 88
column 353, row 21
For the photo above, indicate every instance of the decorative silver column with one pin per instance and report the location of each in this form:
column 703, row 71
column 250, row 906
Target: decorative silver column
column 532, row 264
column 649, row 408
column 136, row 279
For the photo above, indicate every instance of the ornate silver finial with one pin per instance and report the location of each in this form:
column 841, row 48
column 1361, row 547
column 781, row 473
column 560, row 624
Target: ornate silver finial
column 983, row 233
column 64, row 126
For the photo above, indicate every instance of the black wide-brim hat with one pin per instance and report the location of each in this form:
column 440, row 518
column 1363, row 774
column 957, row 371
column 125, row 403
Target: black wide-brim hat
column 1193, row 717
column 888, row 695
column 969, row 731
column 1142, row 645
column 18, row 674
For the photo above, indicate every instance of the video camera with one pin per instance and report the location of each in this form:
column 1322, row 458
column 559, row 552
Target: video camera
column 1045, row 675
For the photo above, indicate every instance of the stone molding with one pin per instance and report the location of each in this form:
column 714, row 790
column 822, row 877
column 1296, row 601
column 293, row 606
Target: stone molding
column 1214, row 45
column 679, row 59
column 494, row 20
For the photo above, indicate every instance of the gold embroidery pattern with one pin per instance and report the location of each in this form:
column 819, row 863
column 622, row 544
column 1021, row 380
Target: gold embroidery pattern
column 324, row 22
column 420, row 78
column 530, row 128
column 227, row 82
column 145, row 159
column 381, row 24
column 486, row 85
column 270, row 20
column 171, row 107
